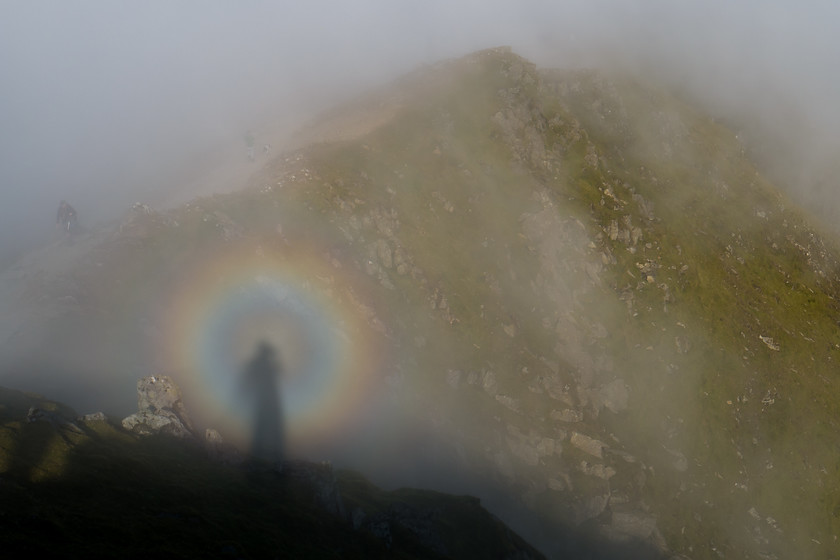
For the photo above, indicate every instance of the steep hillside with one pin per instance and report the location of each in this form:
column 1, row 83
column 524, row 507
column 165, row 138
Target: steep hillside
column 577, row 287
column 87, row 488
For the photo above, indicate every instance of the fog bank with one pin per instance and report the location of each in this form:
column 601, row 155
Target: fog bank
column 102, row 103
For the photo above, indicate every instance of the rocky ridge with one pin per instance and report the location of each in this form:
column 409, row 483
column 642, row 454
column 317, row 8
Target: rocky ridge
column 597, row 301
column 157, row 448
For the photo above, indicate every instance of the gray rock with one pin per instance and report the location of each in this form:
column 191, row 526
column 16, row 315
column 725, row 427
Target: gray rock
column 597, row 470
column 212, row 437
column 567, row 415
column 160, row 409
column 588, row 444
column 508, row 402
column 94, row 417
column 146, row 423
column 56, row 420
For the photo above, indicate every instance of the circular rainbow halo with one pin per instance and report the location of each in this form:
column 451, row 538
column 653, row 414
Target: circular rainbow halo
column 305, row 305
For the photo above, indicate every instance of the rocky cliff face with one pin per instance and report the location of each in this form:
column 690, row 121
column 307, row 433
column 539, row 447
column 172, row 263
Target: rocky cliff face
column 591, row 299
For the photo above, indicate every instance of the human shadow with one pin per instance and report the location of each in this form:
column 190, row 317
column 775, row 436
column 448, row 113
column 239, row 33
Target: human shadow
column 260, row 381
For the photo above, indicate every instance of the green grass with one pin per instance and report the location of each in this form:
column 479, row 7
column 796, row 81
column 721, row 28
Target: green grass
column 731, row 266
column 102, row 492
column 738, row 286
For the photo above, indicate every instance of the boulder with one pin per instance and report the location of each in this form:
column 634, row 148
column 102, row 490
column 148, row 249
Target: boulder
column 588, row 444
column 567, row 415
column 93, row 417
column 160, row 409
column 597, row 470
column 55, row 419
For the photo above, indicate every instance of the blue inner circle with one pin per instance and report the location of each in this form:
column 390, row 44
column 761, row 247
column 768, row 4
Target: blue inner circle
column 306, row 343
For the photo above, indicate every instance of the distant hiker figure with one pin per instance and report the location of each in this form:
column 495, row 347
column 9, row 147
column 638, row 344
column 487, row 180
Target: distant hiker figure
column 266, row 149
column 260, row 381
column 66, row 218
column 249, row 142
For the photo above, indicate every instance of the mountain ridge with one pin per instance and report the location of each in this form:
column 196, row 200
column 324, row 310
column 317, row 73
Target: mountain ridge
column 591, row 297
column 84, row 486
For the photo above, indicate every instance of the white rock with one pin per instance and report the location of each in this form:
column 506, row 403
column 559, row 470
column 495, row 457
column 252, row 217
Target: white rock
column 588, row 444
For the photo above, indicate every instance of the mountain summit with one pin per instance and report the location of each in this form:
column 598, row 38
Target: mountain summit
column 568, row 292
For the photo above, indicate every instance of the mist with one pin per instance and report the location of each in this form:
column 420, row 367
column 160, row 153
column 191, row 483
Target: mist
column 105, row 104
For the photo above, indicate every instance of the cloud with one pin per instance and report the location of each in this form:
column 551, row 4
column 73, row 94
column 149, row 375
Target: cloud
column 101, row 102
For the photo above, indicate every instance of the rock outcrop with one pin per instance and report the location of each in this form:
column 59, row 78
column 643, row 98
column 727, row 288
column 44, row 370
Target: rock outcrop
column 160, row 409
column 584, row 289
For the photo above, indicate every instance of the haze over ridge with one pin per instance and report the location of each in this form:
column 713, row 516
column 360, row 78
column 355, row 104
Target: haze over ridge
column 105, row 104
column 377, row 201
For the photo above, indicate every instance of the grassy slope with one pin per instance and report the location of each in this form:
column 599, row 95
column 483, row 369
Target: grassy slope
column 756, row 424
column 759, row 422
column 101, row 492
